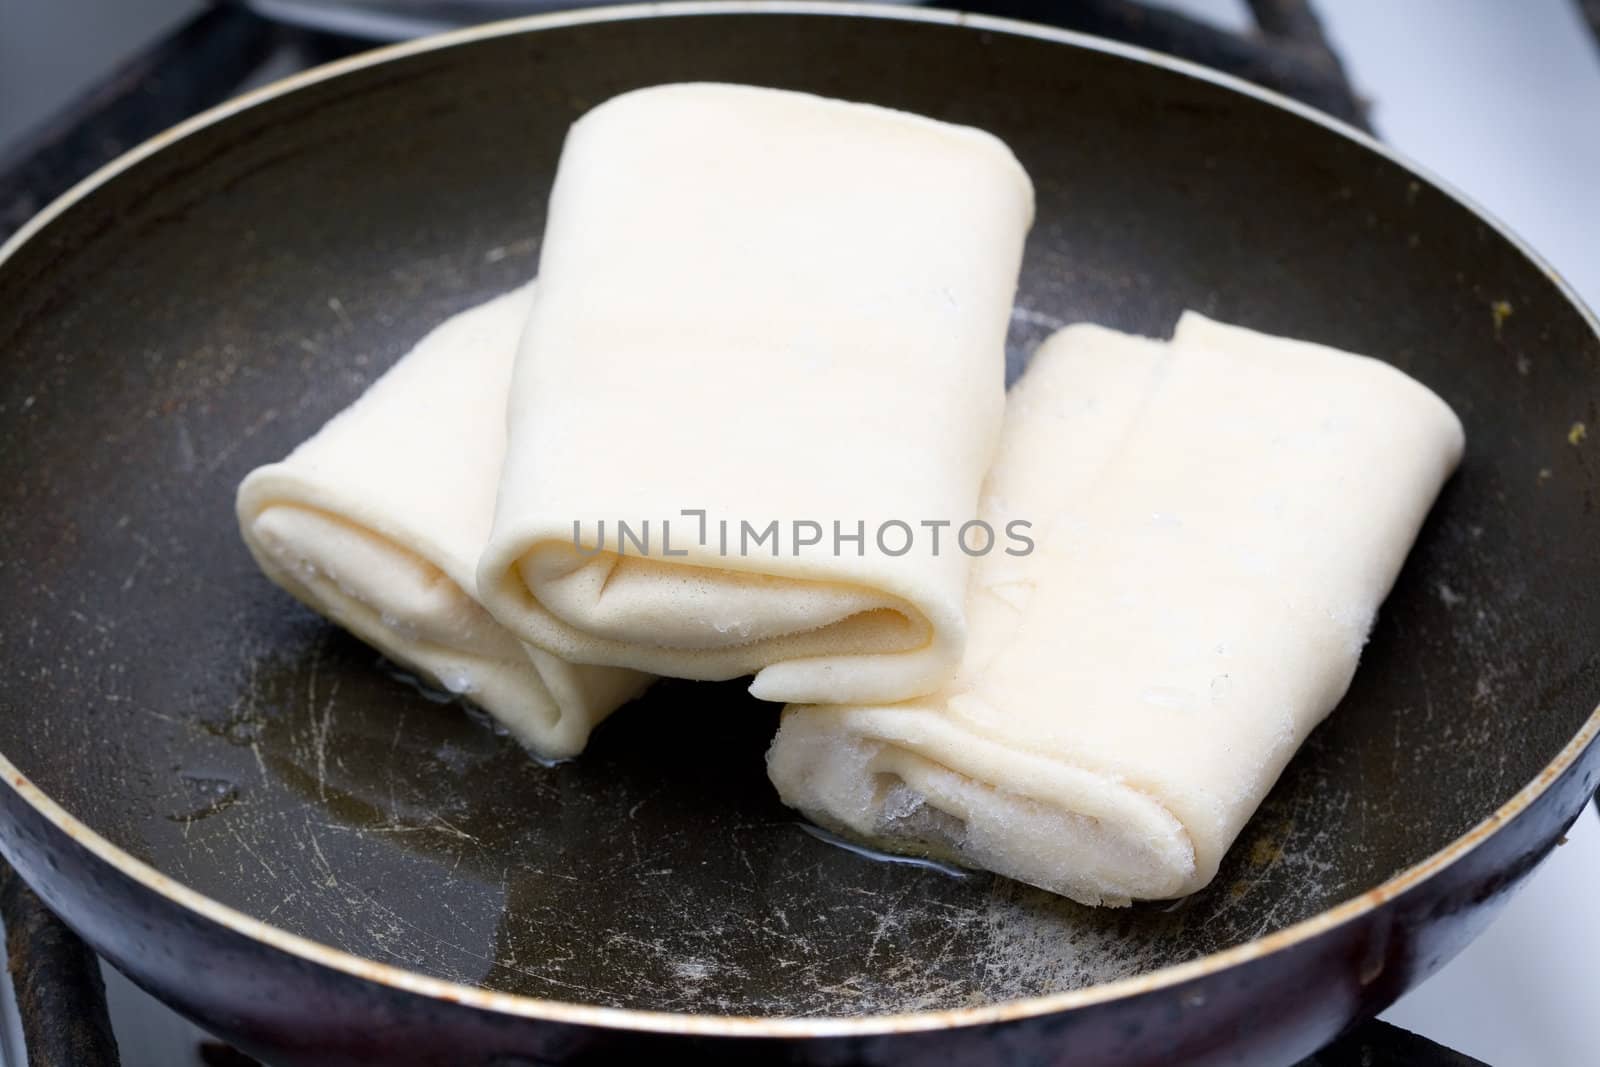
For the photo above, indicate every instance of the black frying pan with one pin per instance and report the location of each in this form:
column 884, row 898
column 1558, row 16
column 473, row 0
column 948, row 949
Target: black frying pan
column 326, row 866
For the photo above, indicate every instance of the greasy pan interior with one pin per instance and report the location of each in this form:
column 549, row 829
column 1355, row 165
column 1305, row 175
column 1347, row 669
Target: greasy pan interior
column 215, row 302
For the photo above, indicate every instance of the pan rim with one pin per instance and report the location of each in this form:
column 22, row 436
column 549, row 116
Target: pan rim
column 746, row 1026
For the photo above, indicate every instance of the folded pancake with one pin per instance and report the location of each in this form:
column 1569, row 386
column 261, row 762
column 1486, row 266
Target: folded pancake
column 1216, row 523
column 762, row 317
column 377, row 521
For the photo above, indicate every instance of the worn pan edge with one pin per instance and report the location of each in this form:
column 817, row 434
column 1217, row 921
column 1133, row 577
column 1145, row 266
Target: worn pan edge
column 750, row 1026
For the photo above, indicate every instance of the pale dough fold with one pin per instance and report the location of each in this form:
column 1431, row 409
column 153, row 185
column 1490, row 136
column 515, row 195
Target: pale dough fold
column 770, row 307
column 377, row 521
column 1217, row 521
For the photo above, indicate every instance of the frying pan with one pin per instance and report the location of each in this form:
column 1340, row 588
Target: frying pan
column 240, row 808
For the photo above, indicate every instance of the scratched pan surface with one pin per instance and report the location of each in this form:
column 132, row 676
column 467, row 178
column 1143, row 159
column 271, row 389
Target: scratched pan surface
column 217, row 301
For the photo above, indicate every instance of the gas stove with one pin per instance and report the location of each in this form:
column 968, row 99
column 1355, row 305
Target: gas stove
column 1501, row 100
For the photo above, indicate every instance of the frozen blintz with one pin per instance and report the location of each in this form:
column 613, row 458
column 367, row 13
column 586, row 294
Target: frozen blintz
column 758, row 307
column 377, row 522
column 1216, row 523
